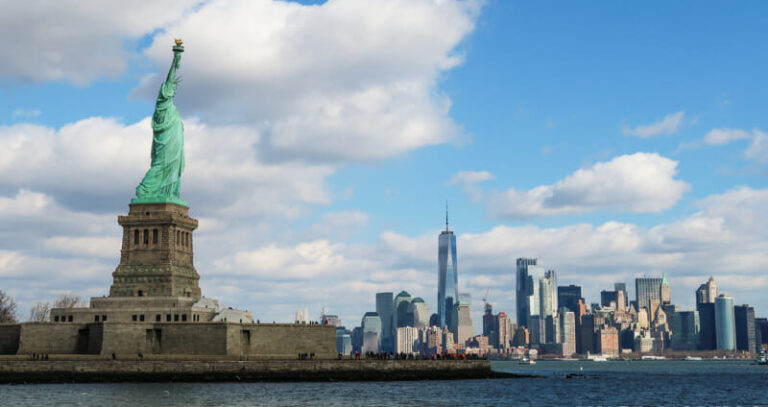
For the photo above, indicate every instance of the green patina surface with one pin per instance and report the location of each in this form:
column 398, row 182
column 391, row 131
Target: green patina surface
column 162, row 181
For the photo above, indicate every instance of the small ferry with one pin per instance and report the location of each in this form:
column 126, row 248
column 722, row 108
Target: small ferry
column 689, row 357
column 526, row 361
column 760, row 359
column 651, row 357
column 596, row 358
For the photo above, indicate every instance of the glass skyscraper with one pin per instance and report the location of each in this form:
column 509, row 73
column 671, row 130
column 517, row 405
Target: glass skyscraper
column 385, row 307
column 527, row 291
column 725, row 323
column 647, row 289
column 447, row 275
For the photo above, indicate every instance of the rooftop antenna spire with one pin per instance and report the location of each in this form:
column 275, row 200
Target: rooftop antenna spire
column 446, row 216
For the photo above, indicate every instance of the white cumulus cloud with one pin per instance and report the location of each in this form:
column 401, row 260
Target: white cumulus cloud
column 640, row 182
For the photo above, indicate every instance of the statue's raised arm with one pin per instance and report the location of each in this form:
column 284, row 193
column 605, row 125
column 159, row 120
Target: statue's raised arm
column 162, row 181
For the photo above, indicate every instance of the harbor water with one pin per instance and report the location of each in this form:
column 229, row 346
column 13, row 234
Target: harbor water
column 551, row 383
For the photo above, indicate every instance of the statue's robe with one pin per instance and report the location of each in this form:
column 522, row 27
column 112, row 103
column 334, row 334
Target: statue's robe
column 164, row 176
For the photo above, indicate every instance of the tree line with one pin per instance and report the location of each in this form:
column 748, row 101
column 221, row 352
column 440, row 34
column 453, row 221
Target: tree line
column 40, row 312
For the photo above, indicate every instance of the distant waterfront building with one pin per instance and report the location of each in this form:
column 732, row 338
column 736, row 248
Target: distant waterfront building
column 372, row 332
column 433, row 340
column 420, row 313
column 725, row 326
column 447, row 275
column 464, row 330
column 761, row 332
column 343, row 340
column 707, row 292
column 623, row 288
column 568, row 296
column 686, row 331
column 449, row 343
column 548, row 294
column 587, row 334
column 385, row 308
column 746, row 338
column 607, row 341
column 502, row 335
column 665, row 293
column 403, row 310
column 527, row 290
column 708, row 334
column 567, row 331
column 647, row 289
column 357, row 339
column 407, row 340
column 489, row 322
column 609, row 298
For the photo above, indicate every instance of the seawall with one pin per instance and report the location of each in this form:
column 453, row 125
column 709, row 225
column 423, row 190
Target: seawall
column 68, row 371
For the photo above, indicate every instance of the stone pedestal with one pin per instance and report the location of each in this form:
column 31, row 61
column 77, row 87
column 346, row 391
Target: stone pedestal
column 157, row 257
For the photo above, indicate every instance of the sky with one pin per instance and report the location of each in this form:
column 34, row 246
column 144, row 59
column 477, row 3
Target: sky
column 609, row 140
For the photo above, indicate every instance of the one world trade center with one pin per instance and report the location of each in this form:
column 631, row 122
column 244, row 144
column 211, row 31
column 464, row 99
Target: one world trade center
column 447, row 279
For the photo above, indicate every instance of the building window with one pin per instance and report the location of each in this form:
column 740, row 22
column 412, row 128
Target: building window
column 183, row 317
column 95, row 318
column 56, row 318
column 140, row 293
column 168, row 317
column 175, row 317
column 136, row 237
column 70, row 318
column 154, row 236
column 186, row 239
column 103, row 318
column 134, row 317
column 141, row 317
column 178, row 238
column 157, row 318
column 146, row 237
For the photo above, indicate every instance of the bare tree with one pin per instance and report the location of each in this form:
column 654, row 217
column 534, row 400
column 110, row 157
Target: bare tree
column 7, row 308
column 68, row 300
column 40, row 312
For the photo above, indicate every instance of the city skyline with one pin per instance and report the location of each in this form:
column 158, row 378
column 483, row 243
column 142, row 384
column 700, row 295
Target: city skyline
column 647, row 158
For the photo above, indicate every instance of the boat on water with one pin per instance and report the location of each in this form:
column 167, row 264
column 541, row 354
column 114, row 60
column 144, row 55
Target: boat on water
column 526, row 361
column 596, row 358
column 760, row 359
column 651, row 357
column 689, row 357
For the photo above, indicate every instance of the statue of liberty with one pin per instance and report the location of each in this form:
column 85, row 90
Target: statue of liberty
column 161, row 183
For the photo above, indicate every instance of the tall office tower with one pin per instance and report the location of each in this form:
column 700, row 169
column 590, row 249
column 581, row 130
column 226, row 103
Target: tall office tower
column 568, row 296
column 420, row 313
column 587, row 334
column 609, row 299
column 343, row 340
column 647, row 289
column 567, row 331
column 707, row 292
column 447, row 274
column 746, row 338
column 761, row 332
column 725, row 323
column 489, row 321
column 464, row 328
column 357, row 339
column 502, row 335
column 622, row 287
column 372, row 332
column 666, row 293
column 536, row 330
column 403, row 310
column 523, row 290
column 551, row 333
column 527, row 291
column 433, row 340
column 386, row 310
column 407, row 340
column 686, row 330
column 449, row 343
column 548, row 294
column 707, row 333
